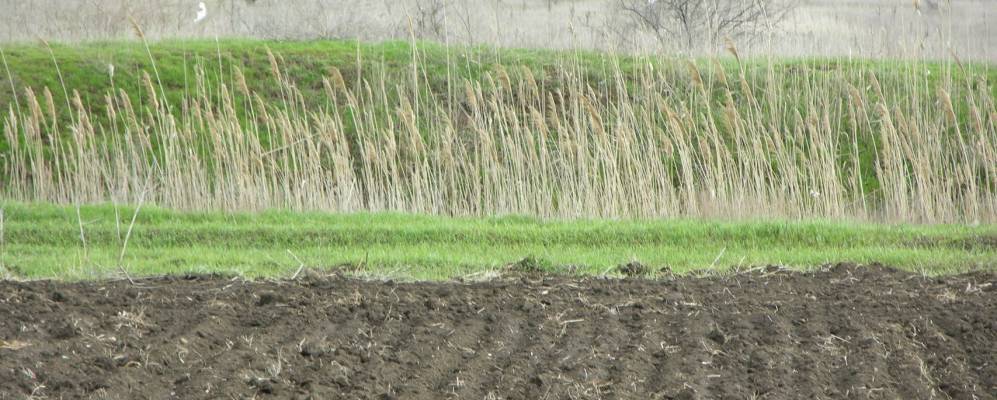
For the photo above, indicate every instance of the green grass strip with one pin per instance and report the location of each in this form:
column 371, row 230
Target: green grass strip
column 43, row 241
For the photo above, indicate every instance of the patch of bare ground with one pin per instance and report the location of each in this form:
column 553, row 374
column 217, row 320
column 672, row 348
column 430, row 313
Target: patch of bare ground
column 840, row 332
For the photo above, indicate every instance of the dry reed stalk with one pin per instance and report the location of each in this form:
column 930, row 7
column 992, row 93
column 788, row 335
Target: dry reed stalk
column 10, row 80
column 509, row 144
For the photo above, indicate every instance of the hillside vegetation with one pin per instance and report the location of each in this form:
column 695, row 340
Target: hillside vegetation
column 337, row 126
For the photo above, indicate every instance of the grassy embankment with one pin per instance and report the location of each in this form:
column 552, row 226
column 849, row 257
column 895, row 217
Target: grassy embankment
column 43, row 241
column 85, row 66
column 619, row 137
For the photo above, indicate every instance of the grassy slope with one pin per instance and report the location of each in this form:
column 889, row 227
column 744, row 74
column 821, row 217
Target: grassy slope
column 85, row 66
column 44, row 241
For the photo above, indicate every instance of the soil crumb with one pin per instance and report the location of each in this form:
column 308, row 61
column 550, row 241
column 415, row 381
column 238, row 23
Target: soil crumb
column 844, row 331
column 633, row 269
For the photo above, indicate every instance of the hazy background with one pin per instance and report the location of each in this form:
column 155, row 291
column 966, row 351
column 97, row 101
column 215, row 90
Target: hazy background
column 866, row 28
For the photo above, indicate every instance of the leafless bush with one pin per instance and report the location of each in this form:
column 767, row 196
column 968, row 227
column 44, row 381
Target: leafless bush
column 694, row 23
column 429, row 18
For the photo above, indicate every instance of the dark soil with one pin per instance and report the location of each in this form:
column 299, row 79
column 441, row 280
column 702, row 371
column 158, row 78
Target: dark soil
column 845, row 332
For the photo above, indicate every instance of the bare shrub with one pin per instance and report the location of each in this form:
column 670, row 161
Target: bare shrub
column 694, row 23
column 428, row 18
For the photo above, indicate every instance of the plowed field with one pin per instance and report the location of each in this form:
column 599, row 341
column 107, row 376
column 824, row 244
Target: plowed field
column 841, row 332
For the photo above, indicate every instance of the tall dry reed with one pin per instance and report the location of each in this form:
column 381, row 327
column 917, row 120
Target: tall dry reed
column 666, row 139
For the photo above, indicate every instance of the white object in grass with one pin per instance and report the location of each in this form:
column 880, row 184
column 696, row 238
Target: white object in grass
column 202, row 12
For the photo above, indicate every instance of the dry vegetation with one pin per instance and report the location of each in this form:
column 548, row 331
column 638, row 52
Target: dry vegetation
column 664, row 138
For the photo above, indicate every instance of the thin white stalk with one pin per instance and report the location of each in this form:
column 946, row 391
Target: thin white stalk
column 128, row 235
column 83, row 238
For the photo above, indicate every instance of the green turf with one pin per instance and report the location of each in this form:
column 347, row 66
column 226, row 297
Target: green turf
column 43, row 241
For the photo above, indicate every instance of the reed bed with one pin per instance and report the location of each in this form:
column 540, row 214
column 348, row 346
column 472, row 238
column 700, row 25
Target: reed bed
column 665, row 138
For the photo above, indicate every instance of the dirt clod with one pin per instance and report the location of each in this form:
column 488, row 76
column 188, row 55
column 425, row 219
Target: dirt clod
column 268, row 298
column 633, row 269
column 716, row 336
column 262, row 385
column 63, row 330
column 531, row 266
column 311, row 350
column 59, row 297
